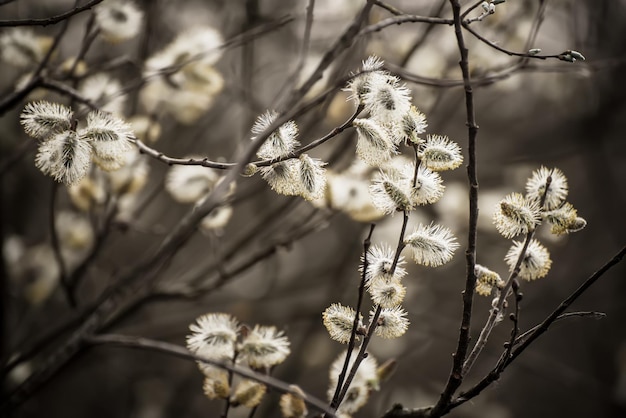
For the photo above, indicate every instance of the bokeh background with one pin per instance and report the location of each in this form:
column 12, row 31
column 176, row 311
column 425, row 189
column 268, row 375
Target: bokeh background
column 551, row 113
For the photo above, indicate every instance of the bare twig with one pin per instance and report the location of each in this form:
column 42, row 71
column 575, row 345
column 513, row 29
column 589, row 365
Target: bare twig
column 304, row 49
column 366, row 245
column 567, row 315
column 50, row 20
column 456, row 375
column 56, row 248
column 530, row 336
column 436, row 11
column 508, row 346
column 205, row 162
column 341, row 44
column 398, row 20
column 374, row 318
column 504, row 293
column 177, row 351
column 35, row 79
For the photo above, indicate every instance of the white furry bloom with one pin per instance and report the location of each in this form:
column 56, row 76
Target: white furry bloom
column 263, row 347
column 387, row 100
column 118, row 20
column 65, row 157
column 365, row 380
column 564, row 220
column 110, row 138
column 312, row 177
column 216, row 384
column 350, row 194
column 74, row 231
column 338, row 320
column 280, row 142
column 292, row 403
column 87, row 193
column 413, row 123
column 104, row 91
column 486, row 280
column 428, row 187
column 557, row 192
column 202, row 43
column 213, row 336
column 21, row 48
column 536, row 262
column 379, row 262
column 392, row 191
column 439, row 153
column 132, row 177
column 189, row 183
column 42, row 119
column 217, row 219
column 432, row 245
column 374, row 144
column 283, row 177
column 392, row 322
column 248, row 393
column 516, row 215
column 359, row 84
column 387, row 294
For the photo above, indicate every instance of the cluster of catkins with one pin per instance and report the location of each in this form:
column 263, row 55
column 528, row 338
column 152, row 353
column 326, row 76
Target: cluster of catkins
column 220, row 337
column 399, row 186
column 517, row 214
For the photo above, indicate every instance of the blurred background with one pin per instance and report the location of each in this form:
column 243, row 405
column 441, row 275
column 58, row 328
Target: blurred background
column 281, row 260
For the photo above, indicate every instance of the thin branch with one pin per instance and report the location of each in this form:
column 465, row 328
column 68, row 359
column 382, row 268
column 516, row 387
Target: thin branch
column 68, row 91
column 361, row 355
column 50, row 20
column 388, row 7
column 101, row 236
column 504, row 293
column 35, row 79
column 534, row 333
column 344, row 42
column 366, row 245
column 178, row 351
column 304, row 48
column 545, row 325
column 567, row 315
column 456, row 374
column 398, row 20
column 515, row 330
column 374, row 319
column 144, row 272
column 469, row 9
column 227, row 403
column 436, row 11
column 205, row 162
column 56, row 248
column 506, row 51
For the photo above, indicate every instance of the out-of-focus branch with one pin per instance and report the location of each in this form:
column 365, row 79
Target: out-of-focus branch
column 56, row 248
column 177, row 351
column 50, row 20
column 398, row 20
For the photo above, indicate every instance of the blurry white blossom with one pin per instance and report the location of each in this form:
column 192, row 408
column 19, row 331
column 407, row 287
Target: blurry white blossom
column 118, row 20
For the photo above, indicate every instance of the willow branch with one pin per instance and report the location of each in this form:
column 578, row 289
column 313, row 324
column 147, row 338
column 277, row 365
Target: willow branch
column 456, row 375
column 50, row 20
column 177, row 351
column 355, row 324
column 398, row 20
column 530, row 336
